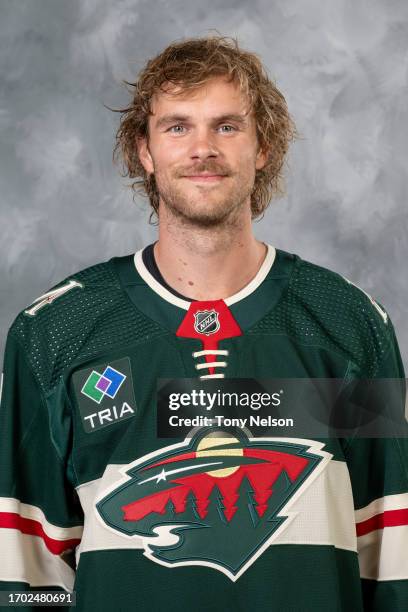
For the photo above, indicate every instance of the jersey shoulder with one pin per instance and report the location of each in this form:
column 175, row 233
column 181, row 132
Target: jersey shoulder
column 336, row 295
column 323, row 308
column 82, row 315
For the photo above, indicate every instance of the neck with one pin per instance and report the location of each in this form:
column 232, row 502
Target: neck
column 207, row 263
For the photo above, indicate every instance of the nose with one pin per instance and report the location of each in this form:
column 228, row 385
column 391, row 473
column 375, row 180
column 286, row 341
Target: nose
column 203, row 145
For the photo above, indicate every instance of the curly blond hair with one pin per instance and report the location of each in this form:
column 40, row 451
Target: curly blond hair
column 189, row 63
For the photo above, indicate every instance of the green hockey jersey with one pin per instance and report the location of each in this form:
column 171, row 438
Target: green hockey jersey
column 92, row 500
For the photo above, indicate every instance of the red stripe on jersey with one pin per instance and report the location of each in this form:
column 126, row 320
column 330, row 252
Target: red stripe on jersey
column 11, row 520
column 389, row 518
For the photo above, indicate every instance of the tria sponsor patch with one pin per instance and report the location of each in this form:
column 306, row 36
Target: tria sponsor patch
column 105, row 394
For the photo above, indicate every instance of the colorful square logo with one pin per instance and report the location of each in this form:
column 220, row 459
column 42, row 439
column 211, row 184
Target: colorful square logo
column 98, row 385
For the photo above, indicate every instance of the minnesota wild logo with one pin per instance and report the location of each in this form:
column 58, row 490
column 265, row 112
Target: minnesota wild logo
column 218, row 499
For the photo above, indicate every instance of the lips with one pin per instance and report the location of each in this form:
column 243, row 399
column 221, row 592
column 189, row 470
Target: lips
column 205, row 177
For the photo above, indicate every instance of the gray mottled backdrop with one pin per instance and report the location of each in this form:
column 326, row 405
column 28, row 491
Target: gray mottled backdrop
column 342, row 66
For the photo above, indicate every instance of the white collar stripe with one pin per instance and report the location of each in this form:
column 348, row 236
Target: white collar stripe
column 185, row 304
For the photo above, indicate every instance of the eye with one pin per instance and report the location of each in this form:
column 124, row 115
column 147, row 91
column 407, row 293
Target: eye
column 230, row 128
column 174, row 130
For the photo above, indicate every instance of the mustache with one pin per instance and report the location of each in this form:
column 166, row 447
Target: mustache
column 208, row 167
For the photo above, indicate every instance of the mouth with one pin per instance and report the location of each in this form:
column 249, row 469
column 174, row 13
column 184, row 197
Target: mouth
column 206, row 178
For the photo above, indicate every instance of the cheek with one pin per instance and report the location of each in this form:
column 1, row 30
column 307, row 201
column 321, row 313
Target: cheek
column 246, row 162
column 243, row 152
column 166, row 157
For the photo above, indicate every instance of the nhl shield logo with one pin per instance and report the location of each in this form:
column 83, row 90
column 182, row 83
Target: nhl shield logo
column 212, row 501
column 206, row 322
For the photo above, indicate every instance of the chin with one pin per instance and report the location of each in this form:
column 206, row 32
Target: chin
column 205, row 209
column 206, row 218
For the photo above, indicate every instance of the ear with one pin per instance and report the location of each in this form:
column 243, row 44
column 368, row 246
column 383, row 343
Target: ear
column 144, row 154
column 261, row 158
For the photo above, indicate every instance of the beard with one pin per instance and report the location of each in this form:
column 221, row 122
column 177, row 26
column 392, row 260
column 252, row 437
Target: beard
column 209, row 206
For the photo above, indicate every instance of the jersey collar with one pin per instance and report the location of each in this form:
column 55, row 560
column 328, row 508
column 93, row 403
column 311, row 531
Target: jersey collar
column 185, row 304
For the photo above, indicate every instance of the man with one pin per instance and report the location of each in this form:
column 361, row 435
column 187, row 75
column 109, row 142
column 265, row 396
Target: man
column 219, row 519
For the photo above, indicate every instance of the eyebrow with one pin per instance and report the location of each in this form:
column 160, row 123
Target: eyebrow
column 175, row 118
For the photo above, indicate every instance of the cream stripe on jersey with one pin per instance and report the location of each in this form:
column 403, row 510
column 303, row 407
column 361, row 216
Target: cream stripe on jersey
column 382, row 554
column 26, row 558
column 398, row 501
column 28, row 511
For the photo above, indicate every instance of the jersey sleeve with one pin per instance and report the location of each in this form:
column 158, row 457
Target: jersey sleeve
column 41, row 519
column 379, row 477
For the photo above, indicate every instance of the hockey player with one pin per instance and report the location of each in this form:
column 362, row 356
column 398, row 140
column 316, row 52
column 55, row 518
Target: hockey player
column 91, row 498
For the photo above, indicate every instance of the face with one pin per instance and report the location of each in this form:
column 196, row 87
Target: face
column 203, row 151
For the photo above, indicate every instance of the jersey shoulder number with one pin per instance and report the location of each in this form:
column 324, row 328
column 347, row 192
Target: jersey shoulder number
column 50, row 296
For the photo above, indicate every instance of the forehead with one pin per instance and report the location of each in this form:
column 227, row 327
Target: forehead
column 215, row 96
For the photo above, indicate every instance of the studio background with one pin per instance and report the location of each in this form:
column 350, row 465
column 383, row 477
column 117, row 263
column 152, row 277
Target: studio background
column 342, row 67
